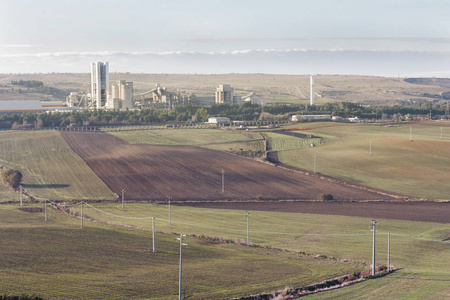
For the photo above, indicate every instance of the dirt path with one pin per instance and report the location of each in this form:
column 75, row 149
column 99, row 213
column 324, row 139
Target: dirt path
column 411, row 211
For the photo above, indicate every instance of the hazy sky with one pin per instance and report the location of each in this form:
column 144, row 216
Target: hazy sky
column 387, row 38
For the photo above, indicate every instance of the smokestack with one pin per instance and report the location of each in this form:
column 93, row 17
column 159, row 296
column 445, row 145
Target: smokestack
column 311, row 100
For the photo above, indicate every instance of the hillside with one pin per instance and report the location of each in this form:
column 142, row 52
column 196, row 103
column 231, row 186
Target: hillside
column 271, row 88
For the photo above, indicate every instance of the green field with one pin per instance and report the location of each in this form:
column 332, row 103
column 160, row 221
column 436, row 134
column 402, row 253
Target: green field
column 255, row 146
column 418, row 248
column 59, row 260
column 7, row 194
column 50, row 168
column 278, row 142
column 417, row 168
column 185, row 136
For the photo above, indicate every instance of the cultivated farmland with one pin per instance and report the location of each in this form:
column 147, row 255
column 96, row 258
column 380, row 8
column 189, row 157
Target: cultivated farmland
column 151, row 172
column 420, row 249
column 56, row 259
column 50, row 168
column 197, row 137
column 418, row 168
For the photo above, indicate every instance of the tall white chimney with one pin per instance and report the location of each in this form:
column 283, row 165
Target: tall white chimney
column 311, row 100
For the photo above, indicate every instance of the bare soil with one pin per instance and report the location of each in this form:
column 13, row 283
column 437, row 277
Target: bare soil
column 187, row 173
column 411, row 211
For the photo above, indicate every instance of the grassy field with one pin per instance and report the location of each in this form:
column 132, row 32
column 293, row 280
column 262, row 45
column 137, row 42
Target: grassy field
column 403, row 284
column 339, row 237
column 235, row 147
column 59, row 260
column 50, row 168
column 7, row 194
column 185, row 136
column 278, row 142
column 417, row 168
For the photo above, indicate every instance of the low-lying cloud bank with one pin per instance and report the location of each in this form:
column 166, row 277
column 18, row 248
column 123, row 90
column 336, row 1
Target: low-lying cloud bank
column 280, row 61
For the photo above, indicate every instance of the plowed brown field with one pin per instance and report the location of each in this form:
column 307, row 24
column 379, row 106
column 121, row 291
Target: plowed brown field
column 149, row 172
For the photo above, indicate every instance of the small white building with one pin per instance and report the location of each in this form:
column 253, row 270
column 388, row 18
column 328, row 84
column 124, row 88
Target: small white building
column 354, row 120
column 297, row 118
column 219, row 120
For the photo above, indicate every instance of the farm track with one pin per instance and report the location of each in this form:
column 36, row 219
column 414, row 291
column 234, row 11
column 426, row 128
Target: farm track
column 151, row 173
column 410, row 211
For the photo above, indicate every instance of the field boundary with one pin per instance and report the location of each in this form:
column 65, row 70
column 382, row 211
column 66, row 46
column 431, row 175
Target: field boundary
column 286, row 293
column 398, row 197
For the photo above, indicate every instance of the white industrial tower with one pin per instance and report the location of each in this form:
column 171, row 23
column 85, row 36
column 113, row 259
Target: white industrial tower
column 99, row 84
column 121, row 95
column 311, row 99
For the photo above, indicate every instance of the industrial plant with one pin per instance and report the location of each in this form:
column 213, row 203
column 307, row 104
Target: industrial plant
column 119, row 94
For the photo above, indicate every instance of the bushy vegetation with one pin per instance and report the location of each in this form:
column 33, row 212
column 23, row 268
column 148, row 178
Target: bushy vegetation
column 196, row 113
column 11, row 177
column 21, row 297
column 28, row 83
column 325, row 197
column 39, row 87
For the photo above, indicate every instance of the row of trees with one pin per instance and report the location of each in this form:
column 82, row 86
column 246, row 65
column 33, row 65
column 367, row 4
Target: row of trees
column 195, row 113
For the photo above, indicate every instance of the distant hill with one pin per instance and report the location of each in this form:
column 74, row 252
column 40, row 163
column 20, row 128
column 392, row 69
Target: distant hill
column 368, row 90
column 443, row 82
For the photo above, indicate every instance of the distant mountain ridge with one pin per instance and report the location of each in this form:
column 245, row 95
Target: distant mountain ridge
column 442, row 82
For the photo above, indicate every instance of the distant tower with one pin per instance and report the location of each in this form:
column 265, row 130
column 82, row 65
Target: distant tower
column 311, row 99
column 99, row 83
column 224, row 94
column 121, row 95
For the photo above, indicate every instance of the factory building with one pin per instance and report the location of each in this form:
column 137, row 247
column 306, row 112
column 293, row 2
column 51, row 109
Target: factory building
column 159, row 98
column 121, row 95
column 99, row 84
column 253, row 98
column 224, row 94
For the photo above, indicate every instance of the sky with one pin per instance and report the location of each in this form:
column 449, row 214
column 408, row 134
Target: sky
column 364, row 37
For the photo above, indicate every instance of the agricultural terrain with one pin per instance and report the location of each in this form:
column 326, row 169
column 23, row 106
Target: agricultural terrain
column 56, row 259
column 50, row 168
column 152, row 172
column 376, row 155
column 418, row 249
column 270, row 87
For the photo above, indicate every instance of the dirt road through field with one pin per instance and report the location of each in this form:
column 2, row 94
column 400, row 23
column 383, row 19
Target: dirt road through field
column 411, row 211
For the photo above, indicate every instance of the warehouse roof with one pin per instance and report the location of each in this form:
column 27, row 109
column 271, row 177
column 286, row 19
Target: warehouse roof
column 20, row 106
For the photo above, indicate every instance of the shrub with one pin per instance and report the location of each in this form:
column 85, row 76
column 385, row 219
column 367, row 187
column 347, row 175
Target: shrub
column 326, row 197
column 11, row 177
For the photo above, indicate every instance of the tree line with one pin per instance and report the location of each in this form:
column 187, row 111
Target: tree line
column 196, row 113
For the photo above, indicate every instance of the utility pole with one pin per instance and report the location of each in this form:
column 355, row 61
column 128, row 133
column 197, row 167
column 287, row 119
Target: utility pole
column 373, row 225
column 45, row 209
column 123, row 205
column 410, row 133
column 247, row 215
column 314, row 163
column 21, row 196
column 153, row 229
column 181, row 263
column 169, row 210
column 81, row 214
column 389, row 252
column 370, row 149
column 223, row 181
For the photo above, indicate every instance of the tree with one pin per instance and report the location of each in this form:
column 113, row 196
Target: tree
column 11, row 177
column 201, row 115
